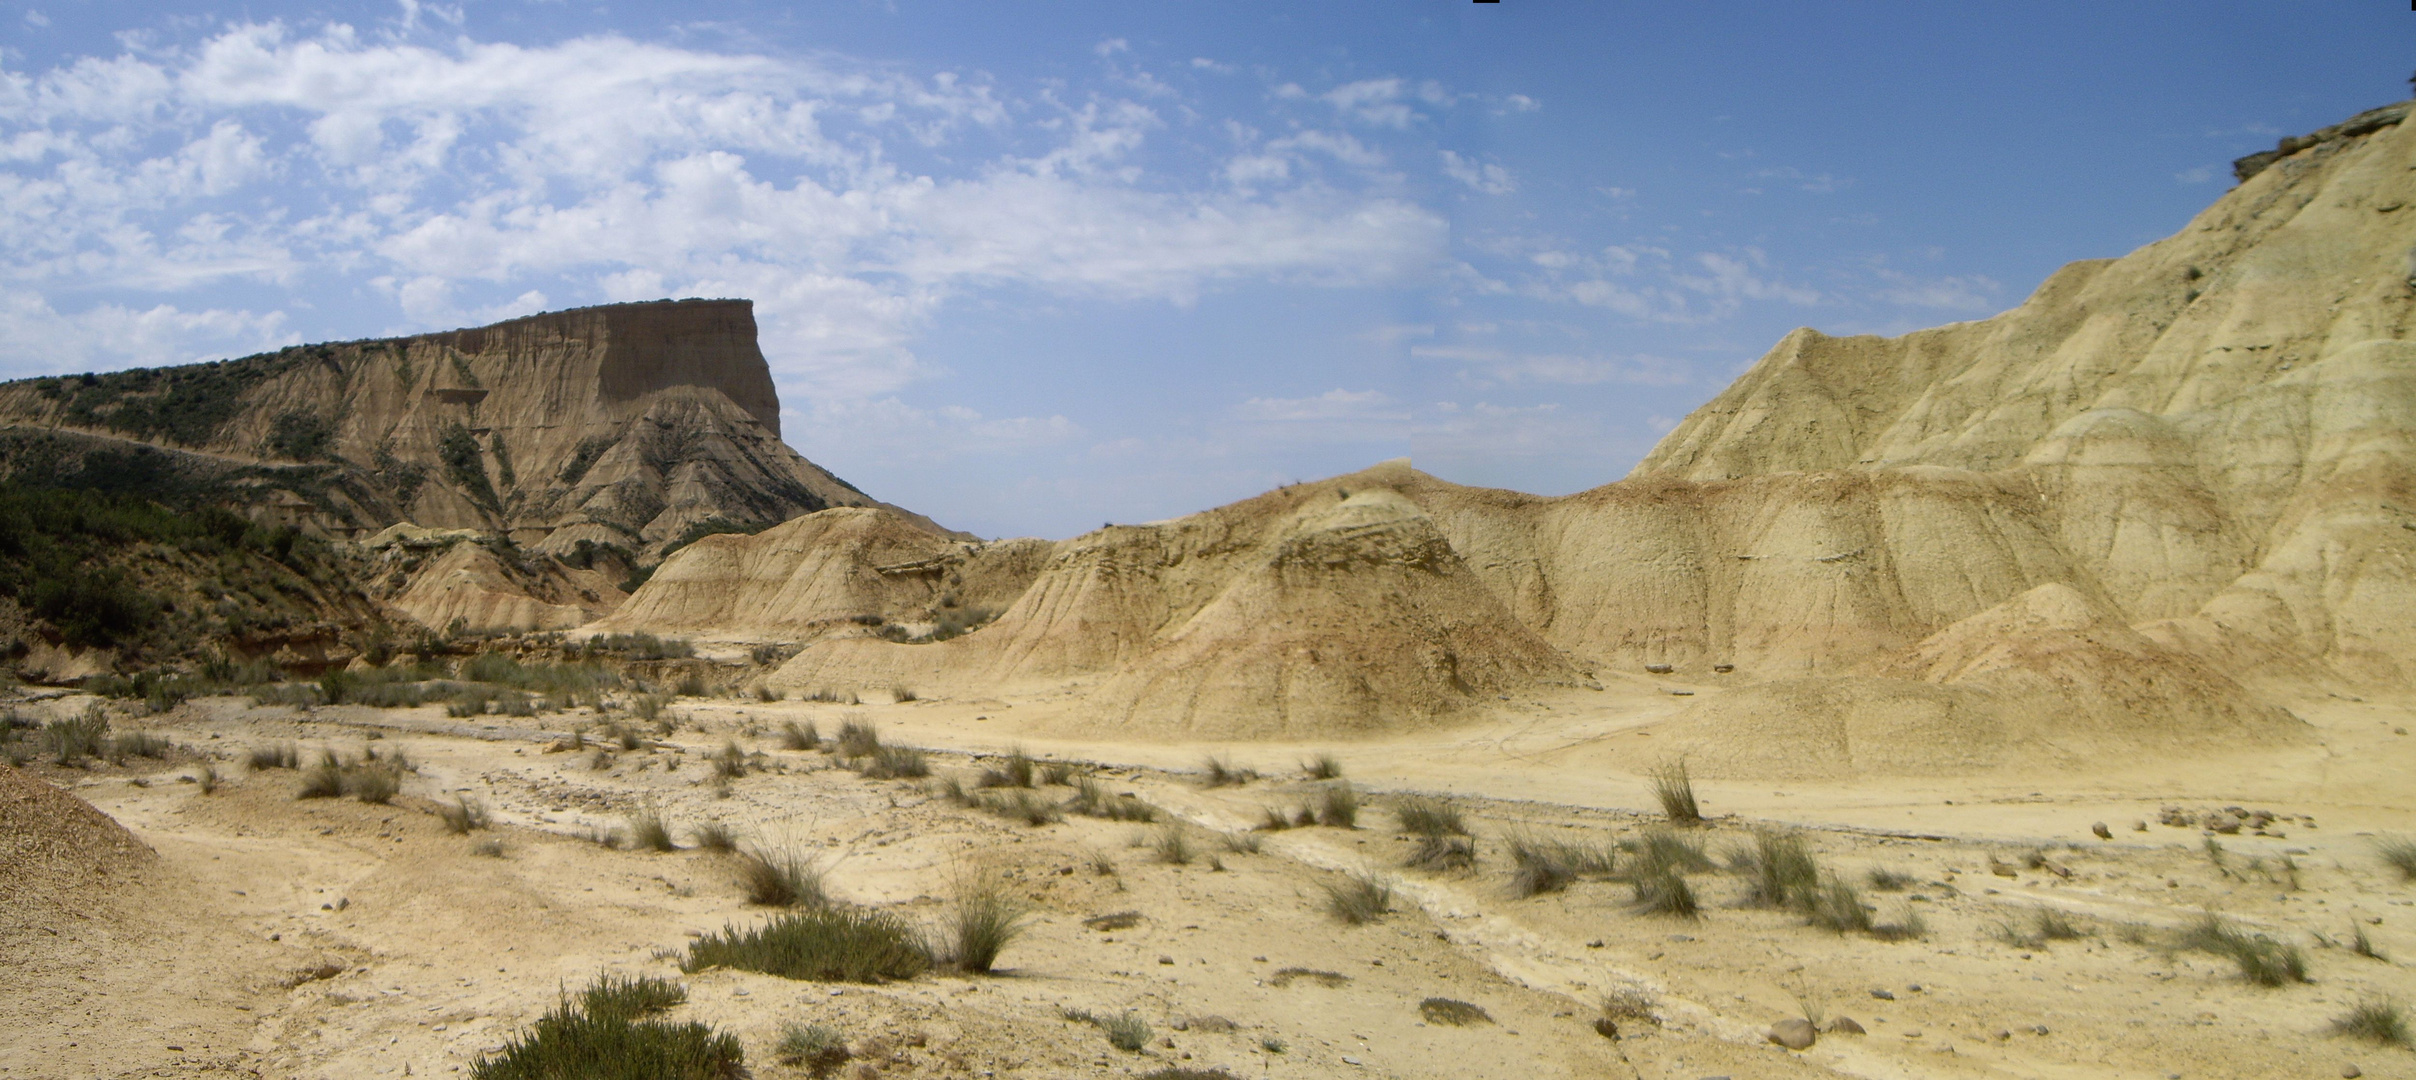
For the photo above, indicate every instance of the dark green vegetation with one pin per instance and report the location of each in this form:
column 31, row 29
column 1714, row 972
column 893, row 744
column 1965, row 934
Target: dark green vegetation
column 1442, row 1010
column 111, row 569
column 187, row 405
column 609, row 1033
column 2380, row 1021
column 824, row 944
column 2261, row 959
column 1125, row 1031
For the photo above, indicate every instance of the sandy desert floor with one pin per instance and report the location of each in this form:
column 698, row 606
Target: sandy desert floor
column 280, row 937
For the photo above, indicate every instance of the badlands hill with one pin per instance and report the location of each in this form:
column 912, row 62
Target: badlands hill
column 2113, row 517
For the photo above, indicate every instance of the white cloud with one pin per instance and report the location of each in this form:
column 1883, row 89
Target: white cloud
column 1335, row 404
column 1374, row 101
column 891, row 428
column 1490, row 366
column 1487, row 178
column 2199, row 175
column 35, row 340
column 1111, row 47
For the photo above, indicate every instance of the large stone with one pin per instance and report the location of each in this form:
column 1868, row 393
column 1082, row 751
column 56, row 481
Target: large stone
column 1794, row 1034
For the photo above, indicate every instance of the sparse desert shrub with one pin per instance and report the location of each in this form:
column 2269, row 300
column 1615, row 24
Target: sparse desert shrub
column 134, row 744
column 729, row 762
column 781, row 877
column 819, row 1049
column 2398, row 853
column 1779, row 871
column 1057, row 774
column 376, row 784
column 208, row 778
column 1837, row 905
column 1423, row 816
column 1663, row 891
column 828, row 696
column 796, row 736
column 1022, row 806
column 648, row 831
column 1908, row 927
column 322, row 781
column 1091, row 799
column 764, row 692
column 1359, row 898
column 1443, row 854
column 462, row 815
column 1443, row 1010
column 857, row 738
column 2261, row 959
column 2359, row 942
column 823, row 944
column 1338, row 806
column 691, row 685
column 631, row 998
column 2381, row 1021
column 1016, row 771
column 1674, row 789
column 1172, row 844
column 491, row 847
column 1243, row 843
column 896, row 763
column 72, row 739
column 1628, row 1005
column 1328, row 979
column 1538, row 866
column 986, row 919
column 1126, row 1031
column 1323, row 767
column 1221, row 772
column 1276, row 820
column 715, row 837
column 1660, row 849
column 1882, row 879
column 274, row 756
column 577, row 1039
column 902, row 694
column 647, row 707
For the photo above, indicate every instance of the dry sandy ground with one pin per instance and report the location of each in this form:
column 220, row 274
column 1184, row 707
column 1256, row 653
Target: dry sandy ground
column 328, row 938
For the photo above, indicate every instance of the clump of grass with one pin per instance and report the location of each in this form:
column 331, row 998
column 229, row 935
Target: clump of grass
column 1125, row 1031
column 1540, row 865
column 896, row 763
column 631, row 998
column 822, row 944
column 491, row 848
column 766, row 694
column 322, row 781
column 1057, row 773
column 1443, row 1010
column 715, row 837
column 1359, row 898
column 1663, row 891
column 1338, row 806
column 1091, row 799
column 1276, row 820
column 2398, row 853
column 1674, row 789
column 1780, row 871
column 1882, row 879
column 2261, row 959
column 647, row 707
column 72, row 739
column 1908, row 928
column 796, row 736
column 1022, row 806
column 902, row 694
column 462, row 815
column 1322, row 767
column 1172, row 845
column 647, row 830
column 1837, row 905
column 1443, row 855
column 208, row 778
column 1015, row 772
column 1327, row 979
column 2363, row 945
column 782, row 877
column 282, row 755
column 819, row 1049
column 1631, row 1005
column 1423, row 816
column 2381, row 1021
column 857, row 738
column 1221, row 772
column 1243, row 843
column 603, row 1043
column 986, row 919
column 134, row 744
column 1274, row 1045
column 1662, row 848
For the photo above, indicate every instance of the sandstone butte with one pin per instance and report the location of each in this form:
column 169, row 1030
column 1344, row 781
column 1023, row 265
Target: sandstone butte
column 2166, row 492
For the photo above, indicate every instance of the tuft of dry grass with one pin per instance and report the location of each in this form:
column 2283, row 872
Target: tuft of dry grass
column 819, row 1049
column 782, row 877
column 1016, row 772
column 986, row 919
column 1322, row 767
column 2381, row 1021
column 282, row 755
column 1674, row 789
column 821, row 944
column 1172, row 845
column 208, row 778
column 462, row 815
column 1091, row 799
column 1022, row 806
column 1338, row 806
column 1221, row 772
column 715, row 837
column 648, row 831
column 1359, row 898
column 2398, row 853
column 857, row 738
column 796, row 736
column 1663, row 891
column 2261, row 959
column 1541, row 865
column 491, row 848
column 1126, row 1031
column 1779, row 870
column 896, row 763
column 1421, row 815
column 1443, row 1010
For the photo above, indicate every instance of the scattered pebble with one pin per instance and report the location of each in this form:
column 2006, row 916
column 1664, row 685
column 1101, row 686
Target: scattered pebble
column 1884, row 995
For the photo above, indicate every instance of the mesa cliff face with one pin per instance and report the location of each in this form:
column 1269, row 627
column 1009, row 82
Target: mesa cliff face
column 2105, row 521
column 624, row 425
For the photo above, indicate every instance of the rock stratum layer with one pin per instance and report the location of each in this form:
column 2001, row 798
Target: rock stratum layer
column 2104, row 521
column 627, row 425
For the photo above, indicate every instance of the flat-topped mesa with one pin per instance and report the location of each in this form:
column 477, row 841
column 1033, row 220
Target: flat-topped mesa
column 629, row 425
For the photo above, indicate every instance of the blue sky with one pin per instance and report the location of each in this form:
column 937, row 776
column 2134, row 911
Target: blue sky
column 1028, row 268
